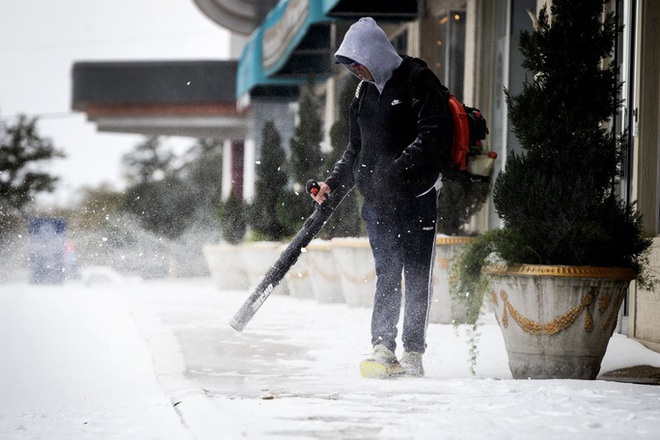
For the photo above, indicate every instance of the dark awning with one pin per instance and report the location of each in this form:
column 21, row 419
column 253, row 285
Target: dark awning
column 377, row 9
column 180, row 98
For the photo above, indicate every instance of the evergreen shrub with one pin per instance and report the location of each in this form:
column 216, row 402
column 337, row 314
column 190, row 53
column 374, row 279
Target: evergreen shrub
column 558, row 198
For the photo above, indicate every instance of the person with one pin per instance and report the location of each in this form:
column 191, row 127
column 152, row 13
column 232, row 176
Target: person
column 396, row 151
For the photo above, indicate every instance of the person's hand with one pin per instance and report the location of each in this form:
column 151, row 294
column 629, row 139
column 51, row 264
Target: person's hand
column 322, row 193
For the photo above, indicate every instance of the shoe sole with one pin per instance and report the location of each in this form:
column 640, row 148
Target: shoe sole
column 374, row 370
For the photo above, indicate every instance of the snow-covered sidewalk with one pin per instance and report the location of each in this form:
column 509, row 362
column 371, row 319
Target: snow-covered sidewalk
column 73, row 366
column 157, row 359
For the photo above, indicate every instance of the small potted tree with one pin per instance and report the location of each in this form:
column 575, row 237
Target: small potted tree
column 305, row 162
column 346, row 220
column 224, row 259
column 458, row 202
column 349, row 250
column 231, row 214
column 268, row 230
column 559, row 268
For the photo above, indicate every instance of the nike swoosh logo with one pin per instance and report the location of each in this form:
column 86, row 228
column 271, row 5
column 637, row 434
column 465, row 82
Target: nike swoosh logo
column 396, row 102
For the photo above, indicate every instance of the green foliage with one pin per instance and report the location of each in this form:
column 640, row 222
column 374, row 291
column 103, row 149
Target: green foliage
column 458, row 202
column 232, row 217
column 292, row 209
column 565, row 221
column 306, row 161
column 161, row 207
column 202, row 177
column 466, row 285
column 270, row 187
column 22, row 154
column 149, row 161
column 166, row 199
column 558, row 198
column 346, row 220
column 306, row 158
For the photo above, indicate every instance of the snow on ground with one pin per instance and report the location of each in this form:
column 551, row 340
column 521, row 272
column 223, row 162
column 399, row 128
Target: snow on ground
column 157, row 360
column 74, row 366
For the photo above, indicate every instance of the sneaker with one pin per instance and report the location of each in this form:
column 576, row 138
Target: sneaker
column 411, row 361
column 381, row 364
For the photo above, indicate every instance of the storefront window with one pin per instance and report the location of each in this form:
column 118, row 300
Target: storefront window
column 400, row 42
column 625, row 121
column 448, row 59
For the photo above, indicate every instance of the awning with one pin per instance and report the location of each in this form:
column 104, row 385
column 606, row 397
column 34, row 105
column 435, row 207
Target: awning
column 292, row 44
column 177, row 98
column 236, row 15
column 251, row 77
column 377, row 9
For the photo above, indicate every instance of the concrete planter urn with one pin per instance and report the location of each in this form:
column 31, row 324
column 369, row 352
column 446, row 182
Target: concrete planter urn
column 443, row 311
column 556, row 320
column 258, row 257
column 324, row 275
column 297, row 279
column 357, row 275
column 226, row 266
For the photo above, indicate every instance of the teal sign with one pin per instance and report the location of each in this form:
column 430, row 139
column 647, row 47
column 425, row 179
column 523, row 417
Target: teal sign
column 272, row 44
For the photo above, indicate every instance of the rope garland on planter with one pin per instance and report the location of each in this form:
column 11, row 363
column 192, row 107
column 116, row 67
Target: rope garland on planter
column 356, row 279
column 553, row 327
column 614, row 314
column 563, row 322
column 318, row 270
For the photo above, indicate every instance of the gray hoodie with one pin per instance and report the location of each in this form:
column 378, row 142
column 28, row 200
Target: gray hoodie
column 368, row 44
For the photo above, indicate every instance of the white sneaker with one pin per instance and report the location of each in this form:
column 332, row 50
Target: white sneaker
column 381, row 364
column 411, row 361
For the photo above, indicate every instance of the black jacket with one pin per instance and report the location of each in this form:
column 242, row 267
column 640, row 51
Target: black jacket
column 400, row 140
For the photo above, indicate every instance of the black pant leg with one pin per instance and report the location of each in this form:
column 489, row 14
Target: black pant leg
column 419, row 257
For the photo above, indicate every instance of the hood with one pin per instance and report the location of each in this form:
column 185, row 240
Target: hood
column 368, row 44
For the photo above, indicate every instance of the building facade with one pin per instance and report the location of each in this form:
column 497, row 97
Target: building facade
column 472, row 45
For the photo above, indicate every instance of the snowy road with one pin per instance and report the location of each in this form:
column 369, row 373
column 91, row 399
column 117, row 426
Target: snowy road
column 158, row 360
